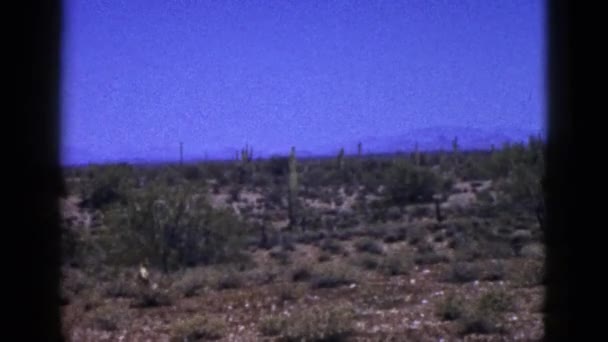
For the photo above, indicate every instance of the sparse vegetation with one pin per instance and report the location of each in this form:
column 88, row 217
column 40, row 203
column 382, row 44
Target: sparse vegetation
column 330, row 275
column 461, row 272
column 333, row 323
column 217, row 243
column 368, row 245
column 198, row 328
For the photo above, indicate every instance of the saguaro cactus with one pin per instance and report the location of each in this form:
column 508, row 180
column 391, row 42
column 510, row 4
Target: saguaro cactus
column 293, row 188
column 246, row 154
column 181, row 153
column 341, row 159
column 416, row 155
column 455, row 151
column 359, row 150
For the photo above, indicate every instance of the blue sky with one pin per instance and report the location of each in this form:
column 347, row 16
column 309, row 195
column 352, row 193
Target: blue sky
column 141, row 76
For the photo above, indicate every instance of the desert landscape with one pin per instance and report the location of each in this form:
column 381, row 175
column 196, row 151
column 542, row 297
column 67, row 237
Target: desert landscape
column 417, row 246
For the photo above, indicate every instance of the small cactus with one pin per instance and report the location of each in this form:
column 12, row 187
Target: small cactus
column 293, row 187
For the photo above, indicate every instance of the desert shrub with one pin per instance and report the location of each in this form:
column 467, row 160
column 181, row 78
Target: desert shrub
column 369, row 246
column 485, row 316
column 147, row 298
column 496, row 301
column 108, row 317
column 272, row 325
column 190, row 282
column 494, row 272
column 309, row 237
column 229, row 279
column 301, row 273
column 533, row 251
column 496, row 250
column 395, row 235
column 197, row 328
column 461, row 272
column 398, row 262
column 191, row 172
column 367, row 261
column 74, row 282
column 332, row 246
column 430, row 258
column 478, row 322
column 122, row 286
column 393, row 213
column 288, row 292
column 333, row 323
column 172, row 228
column 530, row 273
column 323, row 257
column 280, row 255
column 330, row 275
column 416, row 234
column 408, row 184
column 451, row 308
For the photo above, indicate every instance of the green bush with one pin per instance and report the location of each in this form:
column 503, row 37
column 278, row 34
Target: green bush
column 171, row 228
column 408, row 184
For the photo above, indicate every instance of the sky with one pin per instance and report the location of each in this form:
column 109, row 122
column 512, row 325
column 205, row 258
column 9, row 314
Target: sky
column 141, row 76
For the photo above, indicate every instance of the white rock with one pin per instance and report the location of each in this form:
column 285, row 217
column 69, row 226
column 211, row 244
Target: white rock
column 476, row 283
column 352, row 286
column 424, row 301
column 412, row 281
column 426, row 271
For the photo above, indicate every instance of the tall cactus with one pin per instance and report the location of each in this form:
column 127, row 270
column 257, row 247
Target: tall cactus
column 416, row 155
column 455, row 151
column 181, row 153
column 359, row 150
column 341, row 159
column 293, row 188
column 246, row 154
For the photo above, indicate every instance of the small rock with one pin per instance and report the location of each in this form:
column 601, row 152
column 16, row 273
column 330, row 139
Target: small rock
column 352, row 286
column 476, row 283
column 426, row 271
column 424, row 301
column 412, row 281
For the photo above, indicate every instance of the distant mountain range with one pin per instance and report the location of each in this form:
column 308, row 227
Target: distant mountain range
column 428, row 139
